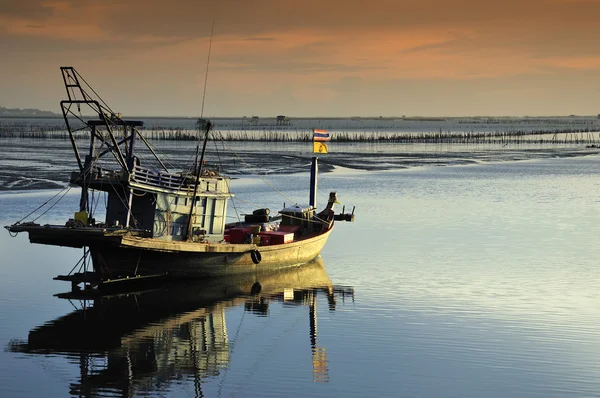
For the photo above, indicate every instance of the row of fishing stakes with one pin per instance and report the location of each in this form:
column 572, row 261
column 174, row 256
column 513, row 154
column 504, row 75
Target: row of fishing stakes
column 516, row 137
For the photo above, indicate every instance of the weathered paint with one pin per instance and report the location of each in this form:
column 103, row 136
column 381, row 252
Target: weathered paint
column 188, row 259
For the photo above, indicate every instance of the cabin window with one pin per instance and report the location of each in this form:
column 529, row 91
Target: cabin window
column 176, row 200
column 185, row 201
column 177, row 229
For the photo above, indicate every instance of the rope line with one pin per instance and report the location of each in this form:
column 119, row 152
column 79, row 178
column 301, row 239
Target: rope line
column 248, row 203
column 44, row 204
column 318, row 220
column 55, row 203
column 237, row 214
column 253, row 170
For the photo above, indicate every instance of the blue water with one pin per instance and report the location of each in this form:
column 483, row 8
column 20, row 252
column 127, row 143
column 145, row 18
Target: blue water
column 460, row 281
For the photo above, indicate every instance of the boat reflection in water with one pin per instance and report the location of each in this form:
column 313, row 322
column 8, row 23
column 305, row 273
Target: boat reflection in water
column 139, row 342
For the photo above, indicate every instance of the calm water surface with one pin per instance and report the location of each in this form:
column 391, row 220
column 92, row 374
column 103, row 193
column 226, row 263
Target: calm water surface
column 474, row 280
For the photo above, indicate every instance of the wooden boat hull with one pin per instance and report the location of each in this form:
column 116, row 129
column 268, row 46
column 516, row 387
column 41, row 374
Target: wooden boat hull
column 182, row 260
column 117, row 253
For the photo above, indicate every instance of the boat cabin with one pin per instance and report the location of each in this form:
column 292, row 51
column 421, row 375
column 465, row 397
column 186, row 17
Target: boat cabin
column 166, row 213
column 148, row 199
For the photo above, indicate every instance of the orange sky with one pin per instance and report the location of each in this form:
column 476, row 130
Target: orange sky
column 308, row 58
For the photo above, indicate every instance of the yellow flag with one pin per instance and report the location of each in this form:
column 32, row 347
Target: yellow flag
column 319, row 147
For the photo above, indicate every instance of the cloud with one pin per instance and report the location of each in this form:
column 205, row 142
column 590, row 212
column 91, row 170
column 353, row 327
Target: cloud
column 538, row 26
column 193, row 18
column 27, row 9
column 260, row 39
column 349, row 56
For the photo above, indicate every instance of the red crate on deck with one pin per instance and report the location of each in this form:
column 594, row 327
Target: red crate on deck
column 265, row 240
column 238, row 235
column 289, row 228
column 275, row 238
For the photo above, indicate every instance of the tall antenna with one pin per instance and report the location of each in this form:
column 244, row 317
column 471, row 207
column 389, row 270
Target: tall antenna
column 208, row 127
column 212, row 31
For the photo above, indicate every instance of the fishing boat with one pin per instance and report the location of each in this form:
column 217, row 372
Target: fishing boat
column 164, row 223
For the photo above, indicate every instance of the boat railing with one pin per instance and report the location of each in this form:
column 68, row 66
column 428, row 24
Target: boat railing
column 158, row 178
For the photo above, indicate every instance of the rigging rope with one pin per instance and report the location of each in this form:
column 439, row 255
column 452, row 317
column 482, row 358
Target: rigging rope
column 256, row 206
column 91, row 88
column 105, row 106
column 97, row 203
column 254, row 171
column 124, row 202
column 233, row 201
column 44, row 204
column 49, row 208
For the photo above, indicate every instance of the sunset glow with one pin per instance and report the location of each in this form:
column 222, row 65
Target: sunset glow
column 334, row 58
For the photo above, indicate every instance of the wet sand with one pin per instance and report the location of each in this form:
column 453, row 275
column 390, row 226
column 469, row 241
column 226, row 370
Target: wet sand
column 47, row 163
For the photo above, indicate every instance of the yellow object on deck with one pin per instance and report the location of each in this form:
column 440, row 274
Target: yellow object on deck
column 82, row 216
column 256, row 240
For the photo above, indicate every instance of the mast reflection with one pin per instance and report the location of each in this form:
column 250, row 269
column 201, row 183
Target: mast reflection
column 132, row 343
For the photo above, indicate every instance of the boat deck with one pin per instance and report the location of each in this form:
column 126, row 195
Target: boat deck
column 60, row 235
column 78, row 237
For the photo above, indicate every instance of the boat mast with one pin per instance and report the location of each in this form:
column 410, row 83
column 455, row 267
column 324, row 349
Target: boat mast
column 208, row 127
column 79, row 93
column 197, row 180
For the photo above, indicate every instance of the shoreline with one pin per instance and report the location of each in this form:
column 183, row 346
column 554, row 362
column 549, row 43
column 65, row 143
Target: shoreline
column 15, row 179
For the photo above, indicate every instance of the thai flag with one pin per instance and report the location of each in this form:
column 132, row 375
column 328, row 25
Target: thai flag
column 321, row 135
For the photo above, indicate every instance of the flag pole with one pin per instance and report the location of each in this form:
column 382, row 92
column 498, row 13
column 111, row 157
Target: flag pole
column 314, row 168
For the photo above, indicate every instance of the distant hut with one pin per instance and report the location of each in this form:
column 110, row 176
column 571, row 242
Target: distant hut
column 283, row 120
